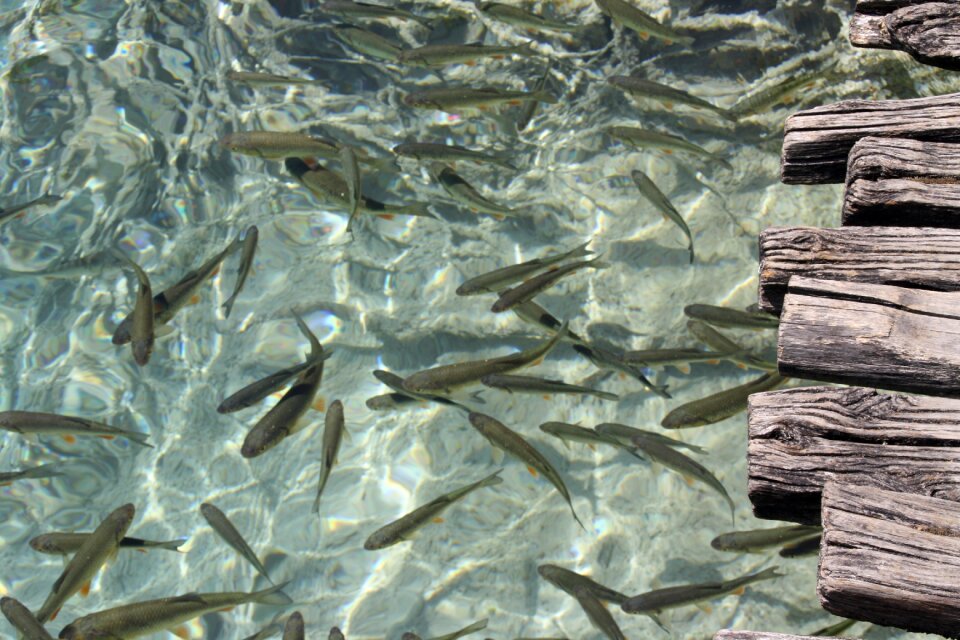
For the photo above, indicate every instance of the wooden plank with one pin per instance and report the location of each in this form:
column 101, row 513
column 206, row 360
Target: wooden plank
column 918, row 258
column 817, row 141
column 869, row 32
column 797, row 437
column 891, row 558
column 929, row 32
column 730, row 634
column 873, row 158
column 871, row 334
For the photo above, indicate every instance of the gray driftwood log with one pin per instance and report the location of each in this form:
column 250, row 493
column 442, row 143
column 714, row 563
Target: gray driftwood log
column 817, row 141
column 891, row 558
column 729, row 634
column 903, row 182
column 871, row 334
column 918, row 258
column 928, row 31
column 799, row 436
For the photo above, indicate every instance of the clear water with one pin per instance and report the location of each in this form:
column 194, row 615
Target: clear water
column 118, row 106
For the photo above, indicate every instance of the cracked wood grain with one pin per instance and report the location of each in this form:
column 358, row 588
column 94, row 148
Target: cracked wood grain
column 928, row 31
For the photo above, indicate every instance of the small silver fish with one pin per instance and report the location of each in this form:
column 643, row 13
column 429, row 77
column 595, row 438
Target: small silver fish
column 668, row 96
column 479, row 625
column 496, row 280
column 248, row 250
column 569, row 581
column 625, row 434
column 606, row 359
column 266, row 79
column 466, row 194
column 332, row 434
column 645, row 138
column 141, row 324
column 30, row 473
column 65, row 544
column 527, row 384
column 41, row 424
column 598, row 615
column 719, row 406
column 733, row 318
column 436, row 152
column 660, row 599
column 755, row 540
column 453, row 99
column 44, row 200
column 646, row 26
column 440, row 55
column 763, row 99
column 228, row 532
column 395, row 382
column 276, row 145
column 716, row 340
column 351, row 174
column 529, row 109
column 293, row 630
column 369, row 43
column 518, row 17
column 652, row 193
column 22, row 620
column 349, row 9
column 536, row 285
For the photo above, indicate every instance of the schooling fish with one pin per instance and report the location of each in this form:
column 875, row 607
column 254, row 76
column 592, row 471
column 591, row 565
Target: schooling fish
column 527, row 384
column 404, row 527
column 156, row 616
column 660, row 599
column 606, row 359
column 332, row 434
column 439, row 55
column 247, row 251
column 645, row 138
column 430, row 151
column 646, row 26
column 518, row 17
column 293, row 630
column 733, row 318
column 351, row 174
column 501, row 437
column 479, row 625
column 498, row 279
column 22, row 620
column 65, row 544
column 86, row 562
column 395, row 382
column 466, row 194
column 569, row 581
column 276, row 145
column 30, row 473
column 41, row 424
column 529, row 108
column 754, row 540
column 652, row 193
column 763, row 99
column 801, row 548
column 536, row 285
column 716, row 340
column 644, row 89
column 141, row 324
column 535, row 314
column 455, row 98
column 266, row 79
column 625, row 434
column 576, row 433
column 44, row 200
column 719, row 406
column 228, row 532
column 348, row 9
column 368, row 43
column 598, row 615
column 679, row 358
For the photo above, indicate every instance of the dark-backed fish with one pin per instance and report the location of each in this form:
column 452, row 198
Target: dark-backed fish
column 34, row 423
column 266, row 79
column 293, row 630
column 141, row 324
column 439, row 55
column 647, row 139
column 679, row 358
column 31, row 473
column 664, row 94
column 624, row 434
column 65, row 544
column 754, row 540
column 802, row 548
column 44, row 200
column 466, row 194
column 276, row 145
column 733, row 318
column 368, row 43
column 218, row 520
column 436, row 152
column 529, row 108
column 498, row 279
column 528, row 384
column 652, row 193
column 660, row 599
column 761, row 100
column 332, row 434
column 716, row 340
column 719, row 406
column 454, row 98
column 247, row 251
column 627, row 15
column 22, row 620
column 606, row 359
column 479, row 625
column 536, row 285
column 519, row 17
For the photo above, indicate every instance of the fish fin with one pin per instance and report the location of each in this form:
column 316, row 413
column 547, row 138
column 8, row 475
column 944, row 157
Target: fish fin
column 644, row 35
column 536, row 362
column 704, row 607
column 438, row 520
column 107, row 437
column 386, row 216
column 163, row 331
column 53, row 616
column 230, row 608
column 498, row 57
column 70, row 439
column 471, row 63
column 713, row 362
column 499, row 217
column 320, row 404
column 142, row 550
column 497, row 455
column 85, row 589
column 739, row 591
column 740, row 365
column 688, row 480
column 532, row 471
column 546, row 396
column 592, row 446
column 682, row 368
column 515, row 103
column 668, row 105
column 181, row 632
column 194, row 299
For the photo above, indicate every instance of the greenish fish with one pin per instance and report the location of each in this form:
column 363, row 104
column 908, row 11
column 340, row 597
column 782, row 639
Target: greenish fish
column 282, row 419
column 20, row 209
column 466, row 194
column 439, row 55
column 86, row 562
column 527, row 384
column 685, row 466
column 536, row 285
column 652, row 193
column 733, row 318
column 293, row 630
column 404, row 527
column 349, row 9
column 445, row 378
column 22, row 620
column 435, row 152
column 65, row 544
column 624, row 434
column 679, row 358
column 335, row 634
column 661, row 599
column 496, row 280
column 391, row 401
column 802, row 548
column 719, row 406
column 664, row 94
column 171, row 300
column 395, row 382
column 276, row 145
column 535, row 314
column 330, row 188
column 30, row 473
column 627, row 15
column 609, row 360
column 141, row 325
column 332, row 434
column 457, row 98
column 598, row 615
column 529, row 108
column 575, row 433
column 156, row 616
column 33, row 423
column 763, row 99
column 247, row 251
column 518, row 17
column 351, row 174
column 368, row 43
column 755, row 540
column 716, row 340
column 509, row 441
column 645, row 138
column 834, row 629
column 479, row 625
column 220, row 523
column 266, row 79
column 572, row 582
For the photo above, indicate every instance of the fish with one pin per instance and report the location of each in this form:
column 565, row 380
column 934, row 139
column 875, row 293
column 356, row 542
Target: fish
column 606, row 359
column 276, row 145
column 30, row 473
column 529, row 108
column 627, row 15
column 529, row 289
column 716, row 340
column 479, row 625
column 332, row 433
column 652, row 193
column 518, row 17
column 624, row 434
column 368, row 43
column 719, row 406
column 266, row 79
column 154, row 616
column 23, row 620
column 527, row 384
column 679, row 358
column 801, row 548
column 664, row 94
column 835, row 629
column 431, row 151
column 335, row 634
column 218, row 520
column 247, row 251
column 34, row 423
column 573, row 432
column 763, row 99
column 44, row 200
column 466, row 194
column 661, row 599
column 275, row 627
column 535, row 314
column 395, row 382
column 65, row 544
column 569, row 581
column 509, row 441
column 445, row 378
column 439, row 55
column 141, row 324
column 458, row 98
column 330, row 188
column 754, row 540
column 733, row 318
column 349, row 9
column 645, row 138
column 404, row 527
column 171, row 300
column 293, row 630
column 687, row 467
column 351, row 174
column 598, row 615
column 86, row 562
column 496, row 280
column 281, row 420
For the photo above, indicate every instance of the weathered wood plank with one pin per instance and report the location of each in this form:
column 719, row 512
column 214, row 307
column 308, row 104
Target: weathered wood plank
column 874, row 158
column 891, row 558
column 729, row 634
column 818, row 141
column 799, row 436
column 871, row 334
column 869, row 32
column 929, row 32
column 918, row 258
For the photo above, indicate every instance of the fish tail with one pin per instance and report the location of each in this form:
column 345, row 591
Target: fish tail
column 542, row 95
column 580, row 251
column 490, row 480
column 420, row 210
column 272, row 595
column 228, row 306
column 139, row 438
column 690, row 248
column 526, row 49
column 316, row 501
column 575, row 516
column 169, row 545
column 606, row 395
